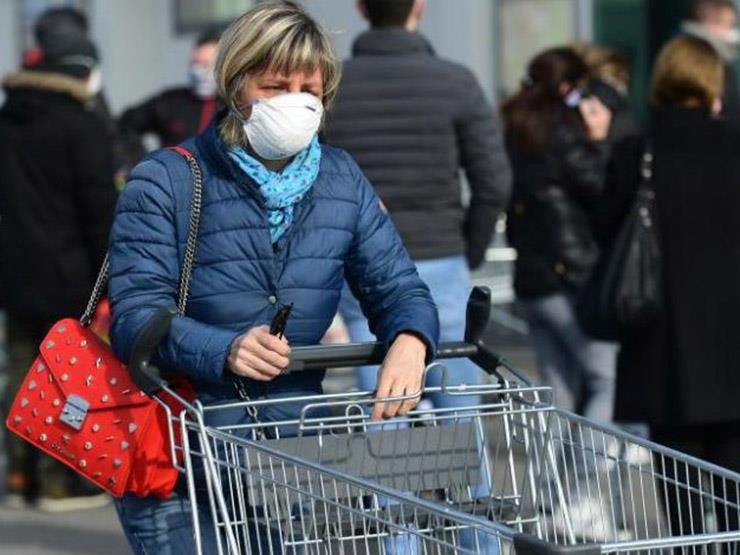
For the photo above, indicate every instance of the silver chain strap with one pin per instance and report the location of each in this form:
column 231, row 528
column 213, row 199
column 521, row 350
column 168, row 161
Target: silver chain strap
column 97, row 293
column 183, row 292
column 196, row 201
column 250, row 409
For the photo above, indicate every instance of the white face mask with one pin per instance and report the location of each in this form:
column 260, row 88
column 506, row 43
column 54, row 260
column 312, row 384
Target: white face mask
column 283, row 125
column 202, row 81
column 95, row 81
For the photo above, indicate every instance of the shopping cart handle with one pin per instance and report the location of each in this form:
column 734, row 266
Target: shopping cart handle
column 357, row 354
column 477, row 314
column 141, row 353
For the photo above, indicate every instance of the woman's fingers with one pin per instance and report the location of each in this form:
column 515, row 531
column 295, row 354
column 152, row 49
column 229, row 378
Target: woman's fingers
column 409, row 404
column 400, row 375
column 400, row 387
column 271, row 342
column 258, row 355
column 383, row 390
column 268, row 355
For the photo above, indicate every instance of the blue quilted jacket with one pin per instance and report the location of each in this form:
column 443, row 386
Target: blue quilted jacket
column 240, row 279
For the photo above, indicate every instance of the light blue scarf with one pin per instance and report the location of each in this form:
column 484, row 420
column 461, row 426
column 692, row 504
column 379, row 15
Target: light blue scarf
column 281, row 190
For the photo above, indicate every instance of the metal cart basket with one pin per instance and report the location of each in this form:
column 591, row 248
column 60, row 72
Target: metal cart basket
column 507, row 472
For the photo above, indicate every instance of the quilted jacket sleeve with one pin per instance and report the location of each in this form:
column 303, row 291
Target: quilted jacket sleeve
column 144, row 274
column 382, row 276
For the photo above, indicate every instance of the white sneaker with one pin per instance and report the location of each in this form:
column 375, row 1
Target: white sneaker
column 637, row 455
column 590, row 521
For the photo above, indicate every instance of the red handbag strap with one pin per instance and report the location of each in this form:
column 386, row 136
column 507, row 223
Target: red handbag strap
column 182, row 151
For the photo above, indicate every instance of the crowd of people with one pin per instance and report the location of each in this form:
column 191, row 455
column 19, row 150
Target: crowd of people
column 335, row 188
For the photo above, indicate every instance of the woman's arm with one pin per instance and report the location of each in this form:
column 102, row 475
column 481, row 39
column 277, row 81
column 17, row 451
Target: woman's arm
column 144, row 274
column 395, row 300
column 383, row 277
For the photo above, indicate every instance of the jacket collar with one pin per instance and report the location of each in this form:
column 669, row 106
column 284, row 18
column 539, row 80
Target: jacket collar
column 211, row 149
column 51, row 82
column 391, row 41
column 681, row 116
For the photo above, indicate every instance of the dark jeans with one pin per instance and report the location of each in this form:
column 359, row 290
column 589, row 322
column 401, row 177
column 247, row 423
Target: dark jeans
column 164, row 527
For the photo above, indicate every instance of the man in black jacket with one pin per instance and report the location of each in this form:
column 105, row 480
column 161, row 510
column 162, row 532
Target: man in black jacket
column 175, row 114
column 56, row 205
column 413, row 121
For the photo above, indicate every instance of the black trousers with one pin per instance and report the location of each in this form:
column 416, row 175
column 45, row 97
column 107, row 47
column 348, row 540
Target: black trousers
column 693, row 499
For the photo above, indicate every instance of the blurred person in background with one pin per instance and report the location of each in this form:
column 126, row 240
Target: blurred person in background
column 715, row 21
column 609, row 82
column 413, row 121
column 556, row 141
column 175, row 114
column 56, row 205
column 681, row 373
column 57, row 26
column 556, row 137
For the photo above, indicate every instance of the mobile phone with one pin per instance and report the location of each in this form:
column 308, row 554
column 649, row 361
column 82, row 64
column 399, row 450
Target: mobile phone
column 574, row 97
column 280, row 320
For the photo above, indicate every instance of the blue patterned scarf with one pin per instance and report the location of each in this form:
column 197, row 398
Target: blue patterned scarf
column 281, row 190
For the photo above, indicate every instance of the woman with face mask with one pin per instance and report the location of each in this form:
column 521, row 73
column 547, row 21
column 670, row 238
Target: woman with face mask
column 284, row 220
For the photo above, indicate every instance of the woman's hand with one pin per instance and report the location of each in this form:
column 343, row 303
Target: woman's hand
column 596, row 116
column 401, row 374
column 258, row 355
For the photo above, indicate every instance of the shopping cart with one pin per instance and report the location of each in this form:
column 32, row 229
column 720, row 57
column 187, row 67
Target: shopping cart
column 508, row 471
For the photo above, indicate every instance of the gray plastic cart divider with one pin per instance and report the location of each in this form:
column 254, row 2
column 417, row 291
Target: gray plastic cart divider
column 434, row 457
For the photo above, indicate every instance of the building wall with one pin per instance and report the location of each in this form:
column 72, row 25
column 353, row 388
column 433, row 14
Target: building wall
column 142, row 53
column 9, row 36
column 459, row 30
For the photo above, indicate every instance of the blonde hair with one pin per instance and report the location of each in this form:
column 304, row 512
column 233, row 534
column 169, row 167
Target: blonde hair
column 273, row 36
column 687, row 71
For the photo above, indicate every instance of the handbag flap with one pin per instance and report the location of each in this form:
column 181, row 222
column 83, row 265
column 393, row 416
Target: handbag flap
column 84, row 366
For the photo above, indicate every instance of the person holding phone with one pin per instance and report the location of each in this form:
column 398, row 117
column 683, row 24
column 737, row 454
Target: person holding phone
column 556, row 139
column 284, row 220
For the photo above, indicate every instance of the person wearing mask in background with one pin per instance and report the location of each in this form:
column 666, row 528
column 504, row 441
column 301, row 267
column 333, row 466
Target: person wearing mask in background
column 556, row 139
column 56, row 205
column 175, row 114
column 715, row 21
column 413, row 121
column 681, row 373
column 610, row 80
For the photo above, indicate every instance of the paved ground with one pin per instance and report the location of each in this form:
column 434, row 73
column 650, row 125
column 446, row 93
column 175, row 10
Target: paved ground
column 29, row 532
column 80, row 533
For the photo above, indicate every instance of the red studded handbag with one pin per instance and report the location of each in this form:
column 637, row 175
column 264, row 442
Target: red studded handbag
column 79, row 404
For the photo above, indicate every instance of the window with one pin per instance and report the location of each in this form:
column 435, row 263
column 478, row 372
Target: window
column 526, row 27
column 199, row 15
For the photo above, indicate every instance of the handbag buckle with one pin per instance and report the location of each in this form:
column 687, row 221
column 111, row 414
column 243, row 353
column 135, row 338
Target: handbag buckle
column 74, row 411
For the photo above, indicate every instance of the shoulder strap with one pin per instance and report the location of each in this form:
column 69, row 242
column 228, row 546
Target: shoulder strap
column 186, row 271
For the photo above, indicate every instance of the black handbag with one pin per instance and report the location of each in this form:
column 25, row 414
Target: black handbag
column 625, row 292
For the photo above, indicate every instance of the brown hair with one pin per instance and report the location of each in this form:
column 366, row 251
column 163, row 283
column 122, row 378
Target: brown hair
column 603, row 63
column 531, row 113
column 687, row 72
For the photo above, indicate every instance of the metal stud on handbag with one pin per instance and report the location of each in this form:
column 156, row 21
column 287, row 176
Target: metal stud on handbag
column 79, row 404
